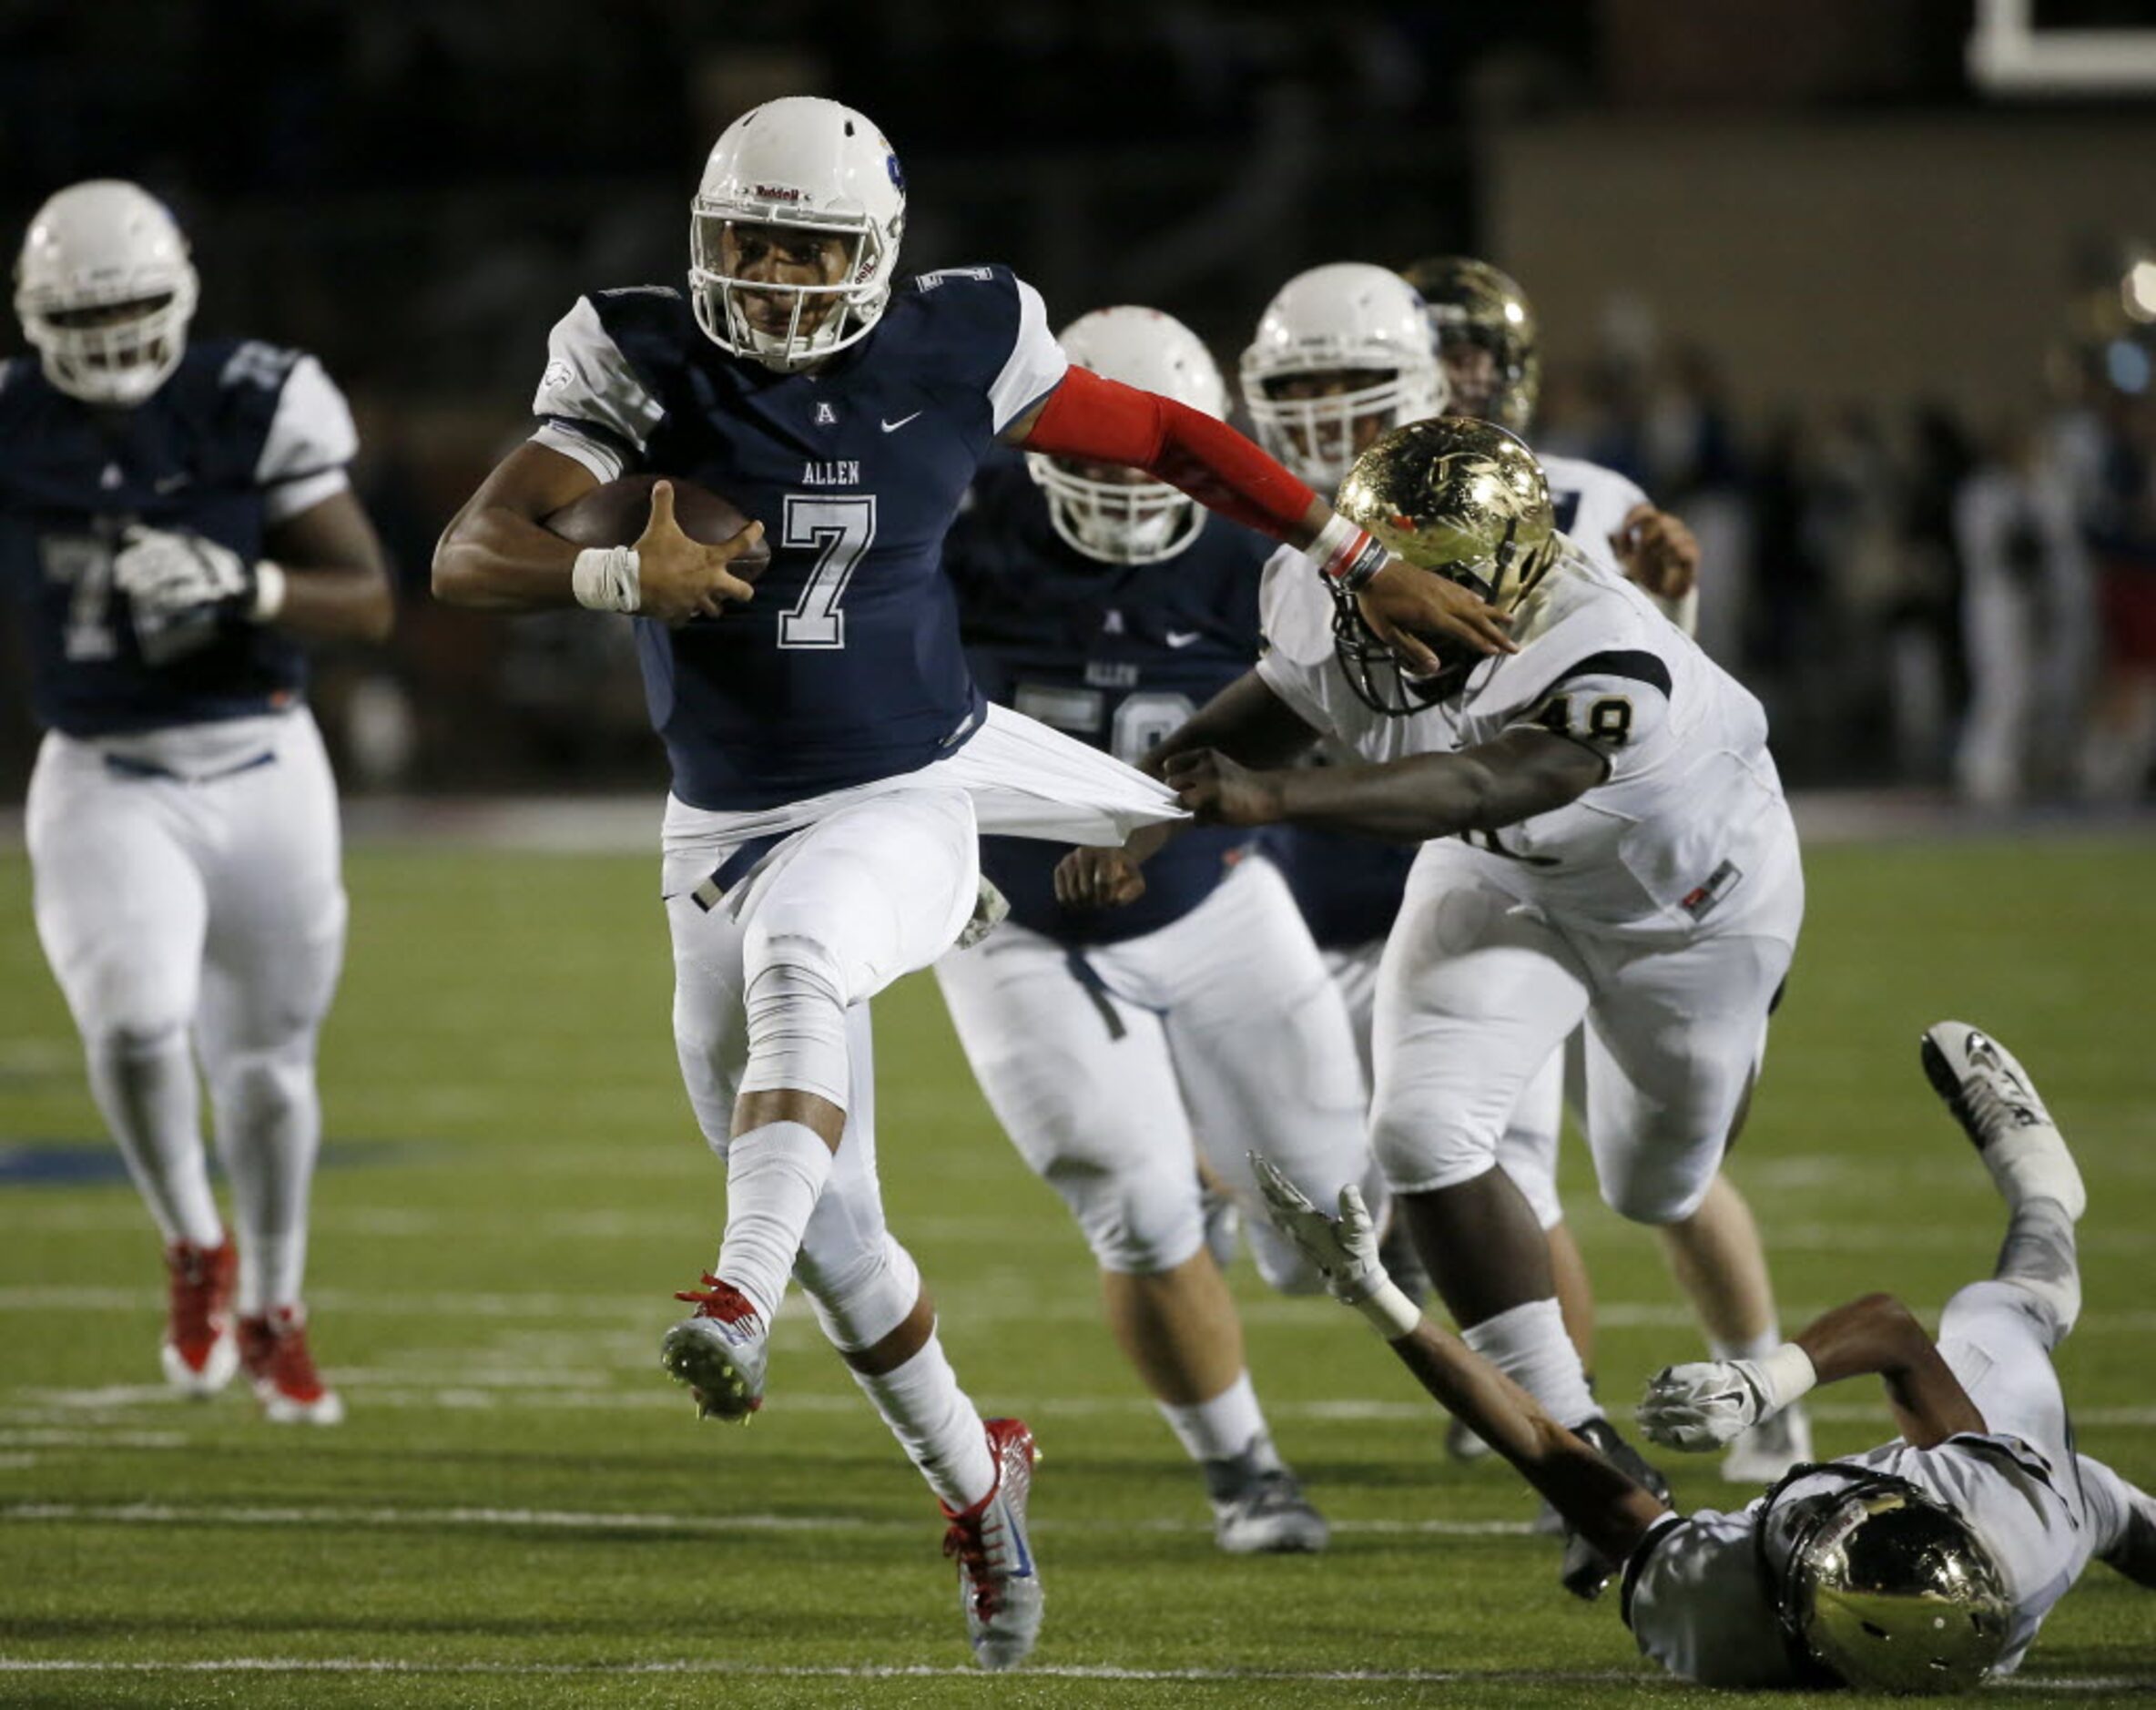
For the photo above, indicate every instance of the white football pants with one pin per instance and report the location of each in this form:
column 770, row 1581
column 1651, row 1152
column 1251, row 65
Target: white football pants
column 864, row 885
column 1113, row 1067
column 1478, row 989
column 1528, row 1148
column 187, row 884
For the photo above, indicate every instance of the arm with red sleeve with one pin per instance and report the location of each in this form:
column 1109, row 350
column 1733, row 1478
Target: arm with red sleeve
column 1096, row 420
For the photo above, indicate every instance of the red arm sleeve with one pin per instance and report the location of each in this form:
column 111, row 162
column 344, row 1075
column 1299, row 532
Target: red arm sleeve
column 1103, row 421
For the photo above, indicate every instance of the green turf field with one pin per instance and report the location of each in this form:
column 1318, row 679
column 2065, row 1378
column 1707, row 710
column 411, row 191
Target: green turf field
column 523, row 1511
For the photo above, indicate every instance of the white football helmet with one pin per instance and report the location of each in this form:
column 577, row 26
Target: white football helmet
column 105, row 290
column 809, row 165
column 1364, row 325
column 1135, row 521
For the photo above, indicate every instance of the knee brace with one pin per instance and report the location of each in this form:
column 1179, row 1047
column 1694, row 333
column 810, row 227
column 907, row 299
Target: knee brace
column 797, row 1018
column 859, row 1298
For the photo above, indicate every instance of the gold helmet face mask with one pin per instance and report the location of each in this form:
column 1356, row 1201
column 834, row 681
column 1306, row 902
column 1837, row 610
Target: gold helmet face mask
column 1889, row 1591
column 1458, row 498
column 1473, row 303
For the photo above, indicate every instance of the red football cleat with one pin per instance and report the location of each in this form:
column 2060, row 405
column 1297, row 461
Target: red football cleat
column 273, row 1349
column 199, row 1352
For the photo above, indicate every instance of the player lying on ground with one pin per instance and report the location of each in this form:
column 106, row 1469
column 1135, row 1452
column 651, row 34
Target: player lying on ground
column 834, row 763
column 1922, row 1565
column 175, row 520
column 1604, row 839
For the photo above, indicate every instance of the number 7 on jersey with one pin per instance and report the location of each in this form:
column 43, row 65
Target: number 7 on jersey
column 842, row 530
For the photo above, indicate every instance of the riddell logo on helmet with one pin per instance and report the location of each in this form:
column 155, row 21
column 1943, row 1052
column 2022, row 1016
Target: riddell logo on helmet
column 777, row 193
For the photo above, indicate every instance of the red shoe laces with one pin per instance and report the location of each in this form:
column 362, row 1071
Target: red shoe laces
column 966, row 1539
column 719, row 1300
column 195, row 1291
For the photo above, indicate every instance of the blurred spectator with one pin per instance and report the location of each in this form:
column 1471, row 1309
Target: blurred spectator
column 2027, row 621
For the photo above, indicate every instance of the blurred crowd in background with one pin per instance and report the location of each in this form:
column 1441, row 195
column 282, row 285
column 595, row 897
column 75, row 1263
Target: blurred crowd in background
column 1932, row 589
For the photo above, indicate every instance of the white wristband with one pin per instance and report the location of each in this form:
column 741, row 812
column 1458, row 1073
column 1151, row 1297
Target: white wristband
column 1786, row 1373
column 269, row 591
column 605, row 579
column 1390, row 1313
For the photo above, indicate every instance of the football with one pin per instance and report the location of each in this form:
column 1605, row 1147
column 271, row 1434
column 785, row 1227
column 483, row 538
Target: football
column 615, row 514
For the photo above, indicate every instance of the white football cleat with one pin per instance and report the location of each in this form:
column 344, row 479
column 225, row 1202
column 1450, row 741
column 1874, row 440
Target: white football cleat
column 200, row 1351
column 1770, row 1449
column 720, row 1351
column 1995, row 1102
column 273, row 1349
column 1258, row 1506
column 998, row 1588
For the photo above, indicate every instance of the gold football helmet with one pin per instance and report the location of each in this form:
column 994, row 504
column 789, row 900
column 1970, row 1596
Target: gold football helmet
column 1462, row 499
column 1472, row 304
column 1891, row 1592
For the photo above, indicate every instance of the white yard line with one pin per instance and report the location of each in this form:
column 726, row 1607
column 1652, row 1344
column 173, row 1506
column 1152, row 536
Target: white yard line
column 874, row 1671
column 678, row 1525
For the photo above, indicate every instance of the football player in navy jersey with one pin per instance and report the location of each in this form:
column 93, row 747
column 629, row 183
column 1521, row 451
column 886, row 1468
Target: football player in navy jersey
column 1330, row 336
column 175, row 518
column 1116, row 1046
column 834, row 764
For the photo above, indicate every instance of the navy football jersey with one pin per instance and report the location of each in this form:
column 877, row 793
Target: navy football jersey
column 847, row 666
column 1347, row 886
column 240, row 437
column 1118, row 655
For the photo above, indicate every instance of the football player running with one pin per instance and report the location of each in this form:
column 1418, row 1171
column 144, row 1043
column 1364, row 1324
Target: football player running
column 833, row 762
column 176, row 519
column 1925, row 1565
column 1604, row 839
column 1118, row 1048
column 1349, row 889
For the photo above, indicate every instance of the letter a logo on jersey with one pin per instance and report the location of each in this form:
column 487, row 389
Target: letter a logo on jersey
column 826, row 416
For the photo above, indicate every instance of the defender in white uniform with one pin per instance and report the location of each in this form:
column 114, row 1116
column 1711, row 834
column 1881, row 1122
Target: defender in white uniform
column 1488, row 339
column 175, row 518
column 1624, row 856
column 1925, row 1565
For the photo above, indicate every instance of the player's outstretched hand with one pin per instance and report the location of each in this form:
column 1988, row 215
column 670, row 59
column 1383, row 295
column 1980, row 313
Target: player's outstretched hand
column 1703, row 1405
column 679, row 578
column 1402, row 604
column 1214, row 791
column 1657, row 551
column 1098, row 879
column 1343, row 1249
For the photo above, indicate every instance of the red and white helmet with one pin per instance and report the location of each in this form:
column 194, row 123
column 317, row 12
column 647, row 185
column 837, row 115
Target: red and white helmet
column 105, row 290
column 1131, row 522
column 810, row 164
column 1346, row 317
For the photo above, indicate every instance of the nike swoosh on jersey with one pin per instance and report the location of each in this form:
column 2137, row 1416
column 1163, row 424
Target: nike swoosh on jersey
column 892, row 427
column 1182, row 637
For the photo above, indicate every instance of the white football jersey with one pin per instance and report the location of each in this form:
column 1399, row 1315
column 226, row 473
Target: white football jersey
column 1696, row 1601
column 1688, row 830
